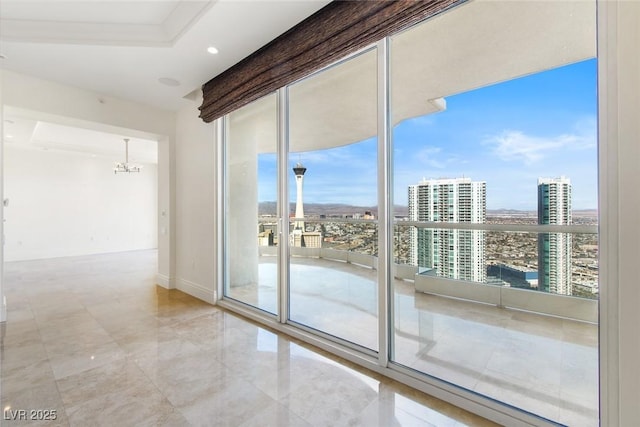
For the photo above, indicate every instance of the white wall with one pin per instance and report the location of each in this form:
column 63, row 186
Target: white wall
column 195, row 171
column 66, row 102
column 66, row 204
column 45, row 100
column 166, row 216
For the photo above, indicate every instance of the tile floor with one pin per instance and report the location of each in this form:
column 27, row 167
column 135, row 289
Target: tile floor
column 95, row 340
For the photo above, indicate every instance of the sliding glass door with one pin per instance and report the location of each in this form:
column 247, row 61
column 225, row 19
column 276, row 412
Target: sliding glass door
column 332, row 176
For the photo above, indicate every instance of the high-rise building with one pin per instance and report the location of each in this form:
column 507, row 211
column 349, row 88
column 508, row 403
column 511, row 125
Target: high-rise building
column 554, row 249
column 455, row 254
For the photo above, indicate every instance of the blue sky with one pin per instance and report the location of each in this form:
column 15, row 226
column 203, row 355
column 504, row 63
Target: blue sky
column 508, row 135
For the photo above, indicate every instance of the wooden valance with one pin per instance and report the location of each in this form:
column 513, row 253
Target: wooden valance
column 336, row 30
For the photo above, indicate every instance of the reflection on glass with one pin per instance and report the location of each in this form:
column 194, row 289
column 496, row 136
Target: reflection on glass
column 333, row 189
column 251, row 194
column 494, row 136
column 491, row 337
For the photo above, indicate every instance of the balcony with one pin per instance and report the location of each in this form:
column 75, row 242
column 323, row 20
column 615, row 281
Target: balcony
column 529, row 349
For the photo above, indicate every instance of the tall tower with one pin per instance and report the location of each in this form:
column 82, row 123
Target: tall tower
column 455, row 254
column 554, row 249
column 299, row 171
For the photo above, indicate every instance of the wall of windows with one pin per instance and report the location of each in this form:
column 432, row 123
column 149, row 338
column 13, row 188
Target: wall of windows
column 476, row 272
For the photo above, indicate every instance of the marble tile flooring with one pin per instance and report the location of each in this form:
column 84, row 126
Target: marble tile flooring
column 95, row 340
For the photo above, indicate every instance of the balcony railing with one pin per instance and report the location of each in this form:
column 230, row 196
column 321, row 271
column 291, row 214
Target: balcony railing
column 565, row 306
column 570, row 307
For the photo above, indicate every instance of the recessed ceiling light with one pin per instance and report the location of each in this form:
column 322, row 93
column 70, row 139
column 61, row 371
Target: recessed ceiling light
column 168, row 81
column 212, row 50
column 8, row 136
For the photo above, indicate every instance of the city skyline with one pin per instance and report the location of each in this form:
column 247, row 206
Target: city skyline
column 544, row 261
column 507, row 134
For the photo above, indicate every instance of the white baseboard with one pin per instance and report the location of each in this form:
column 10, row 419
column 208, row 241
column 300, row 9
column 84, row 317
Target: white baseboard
column 166, row 281
column 197, row 291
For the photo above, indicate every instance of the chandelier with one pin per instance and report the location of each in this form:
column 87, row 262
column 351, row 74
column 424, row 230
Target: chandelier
column 126, row 167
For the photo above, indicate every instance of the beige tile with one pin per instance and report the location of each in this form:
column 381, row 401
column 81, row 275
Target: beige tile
column 232, row 402
column 20, row 377
column 143, row 336
column 82, row 359
column 108, row 379
column 22, row 356
column 163, row 347
column 277, row 376
column 75, row 340
column 187, row 378
column 20, row 333
column 275, row 415
column 182, row 311
column 77, row 324
column 335, row 398
column 20, row 314
column 136, row 405
column 161, row 357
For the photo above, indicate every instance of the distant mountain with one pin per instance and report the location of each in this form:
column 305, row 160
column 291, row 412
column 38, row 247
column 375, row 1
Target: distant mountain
column 585, row 212
column 269, row 208
column 525, row 213
column 510, row 212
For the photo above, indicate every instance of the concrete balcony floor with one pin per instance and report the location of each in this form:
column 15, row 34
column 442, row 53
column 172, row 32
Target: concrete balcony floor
column 542, row 364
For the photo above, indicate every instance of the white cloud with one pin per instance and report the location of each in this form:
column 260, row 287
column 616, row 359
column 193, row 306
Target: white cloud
column 422, row 121
column 354, row 156
column 428, row 156
column 513, row 145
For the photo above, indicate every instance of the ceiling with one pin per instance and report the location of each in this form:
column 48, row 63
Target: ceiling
column 122, row 48
column 153, row 52
column 41, row 135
